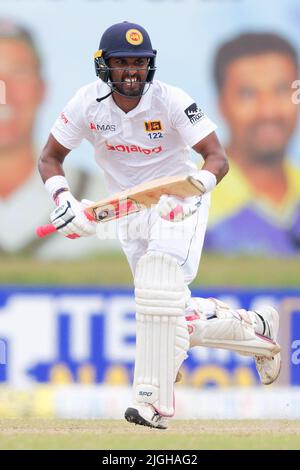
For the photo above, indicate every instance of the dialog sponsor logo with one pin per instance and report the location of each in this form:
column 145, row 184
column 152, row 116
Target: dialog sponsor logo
column 133, row 149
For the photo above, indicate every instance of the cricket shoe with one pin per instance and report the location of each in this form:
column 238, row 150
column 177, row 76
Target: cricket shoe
column 146, row 415
column 268, row 368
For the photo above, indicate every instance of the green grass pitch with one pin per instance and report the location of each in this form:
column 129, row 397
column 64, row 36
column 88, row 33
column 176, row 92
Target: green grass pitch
column 112, row 268
column 17, row 434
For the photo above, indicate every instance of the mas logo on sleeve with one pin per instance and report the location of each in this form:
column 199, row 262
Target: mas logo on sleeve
column 194, row 113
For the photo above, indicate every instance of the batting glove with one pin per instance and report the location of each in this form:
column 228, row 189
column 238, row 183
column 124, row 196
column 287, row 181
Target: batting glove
column 69, row 218
column 175, row 209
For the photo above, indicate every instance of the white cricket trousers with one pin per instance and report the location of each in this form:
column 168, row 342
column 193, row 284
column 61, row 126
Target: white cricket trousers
column 147, row 231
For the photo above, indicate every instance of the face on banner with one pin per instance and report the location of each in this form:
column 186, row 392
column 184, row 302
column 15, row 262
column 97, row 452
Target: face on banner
column 19, row 70
column 256, row 209
column 256, row 102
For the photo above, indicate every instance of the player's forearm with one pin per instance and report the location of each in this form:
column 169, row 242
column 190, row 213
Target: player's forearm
column 51, row 160
column 52, row 174
column 49, row 166
column 216, row 163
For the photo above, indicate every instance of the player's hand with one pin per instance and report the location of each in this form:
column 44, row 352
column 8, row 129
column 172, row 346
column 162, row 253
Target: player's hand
column 175, row 209
column 69, row 218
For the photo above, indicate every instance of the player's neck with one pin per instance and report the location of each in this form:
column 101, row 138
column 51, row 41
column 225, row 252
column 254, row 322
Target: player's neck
column 268, row 181
column 16, row 165
column 126, row 104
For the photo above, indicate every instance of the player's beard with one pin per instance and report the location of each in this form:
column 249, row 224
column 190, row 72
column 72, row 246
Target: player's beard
column 131, row 88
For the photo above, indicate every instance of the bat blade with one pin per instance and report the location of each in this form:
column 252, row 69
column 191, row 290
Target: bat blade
column 144, row 195
column 135, row 199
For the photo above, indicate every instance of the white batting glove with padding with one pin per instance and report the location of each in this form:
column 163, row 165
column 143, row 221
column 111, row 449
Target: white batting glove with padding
column 175, row 209
column 69, row 218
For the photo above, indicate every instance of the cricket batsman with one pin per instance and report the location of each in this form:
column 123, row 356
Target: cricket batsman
column 142, row 129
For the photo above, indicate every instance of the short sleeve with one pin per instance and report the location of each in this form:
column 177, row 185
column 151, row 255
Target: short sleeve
column 188, row 119
column 69, row 128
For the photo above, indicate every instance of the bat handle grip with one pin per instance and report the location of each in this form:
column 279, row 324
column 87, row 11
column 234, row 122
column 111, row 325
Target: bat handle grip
column 45, row 230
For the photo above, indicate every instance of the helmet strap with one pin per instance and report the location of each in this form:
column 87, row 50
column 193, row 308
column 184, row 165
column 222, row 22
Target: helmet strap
column 104, row 97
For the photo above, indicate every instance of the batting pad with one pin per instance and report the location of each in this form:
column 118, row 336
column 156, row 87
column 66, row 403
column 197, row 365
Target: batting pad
column 162, row 334
column 230, row 329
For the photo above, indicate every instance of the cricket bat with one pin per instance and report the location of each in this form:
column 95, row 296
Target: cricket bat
column 136, row 199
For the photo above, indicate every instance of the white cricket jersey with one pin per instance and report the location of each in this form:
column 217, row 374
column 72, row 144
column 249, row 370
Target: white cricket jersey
column 151, row 141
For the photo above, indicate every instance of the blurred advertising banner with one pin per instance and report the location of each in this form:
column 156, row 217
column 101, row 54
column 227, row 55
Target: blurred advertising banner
column 110, row 401
column 87, row 336
column 239, row 60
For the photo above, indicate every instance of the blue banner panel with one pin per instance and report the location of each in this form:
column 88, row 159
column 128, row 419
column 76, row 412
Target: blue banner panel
column 87, row 335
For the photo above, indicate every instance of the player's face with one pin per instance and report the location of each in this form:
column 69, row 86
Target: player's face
column 256, row 101
column 24, row 91
column 129, row 74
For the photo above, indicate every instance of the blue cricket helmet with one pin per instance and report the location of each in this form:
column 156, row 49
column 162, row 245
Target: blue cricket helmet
column 124, row 40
